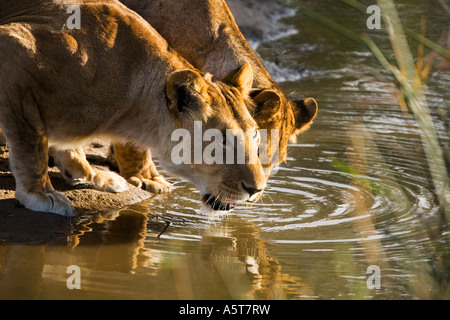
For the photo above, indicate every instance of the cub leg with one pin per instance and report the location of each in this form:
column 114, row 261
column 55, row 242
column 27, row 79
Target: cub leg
column 137, row 167
column 28, row 158
column 77, row 171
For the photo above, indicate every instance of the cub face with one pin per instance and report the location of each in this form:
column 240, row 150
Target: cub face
column 215, row 141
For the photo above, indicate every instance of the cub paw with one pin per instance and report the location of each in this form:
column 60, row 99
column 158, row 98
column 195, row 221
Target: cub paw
column 54, row 202
column 157, row 185
column 109, row 182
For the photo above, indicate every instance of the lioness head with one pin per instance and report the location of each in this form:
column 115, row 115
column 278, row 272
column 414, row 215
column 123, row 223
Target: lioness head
column 215, row 140
column 283, row 120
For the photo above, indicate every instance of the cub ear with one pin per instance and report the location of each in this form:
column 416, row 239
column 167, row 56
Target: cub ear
column 242, row 79
column 187, row 94
column 267, row 104
column 304, row 112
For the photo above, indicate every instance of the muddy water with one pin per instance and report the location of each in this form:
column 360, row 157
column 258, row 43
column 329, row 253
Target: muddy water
column 351, row 215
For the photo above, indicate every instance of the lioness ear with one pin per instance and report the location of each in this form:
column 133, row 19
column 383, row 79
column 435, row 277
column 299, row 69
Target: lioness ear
column 304, row 112
column 187, row 94
column 267, row 104
column 241, row 79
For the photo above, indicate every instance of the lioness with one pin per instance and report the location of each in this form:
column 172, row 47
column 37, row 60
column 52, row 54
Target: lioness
column 205, row 33
column 113, row 77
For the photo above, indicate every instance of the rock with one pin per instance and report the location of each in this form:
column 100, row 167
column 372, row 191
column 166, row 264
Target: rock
column 84, row 200
column 258, row 20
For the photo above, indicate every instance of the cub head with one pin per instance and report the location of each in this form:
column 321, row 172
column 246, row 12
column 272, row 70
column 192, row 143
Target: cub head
column 215, row 140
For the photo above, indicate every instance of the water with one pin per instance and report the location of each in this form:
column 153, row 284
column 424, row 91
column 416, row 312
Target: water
column 355, row 192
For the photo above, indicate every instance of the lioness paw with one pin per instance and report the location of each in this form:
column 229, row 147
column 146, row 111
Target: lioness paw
column 156, row 185
column 109, row 182
column 61, row 204
column 54, row 202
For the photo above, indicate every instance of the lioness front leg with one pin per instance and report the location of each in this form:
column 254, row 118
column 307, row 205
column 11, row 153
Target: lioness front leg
column 77, row 171
column 137, row 167
column 28, row 144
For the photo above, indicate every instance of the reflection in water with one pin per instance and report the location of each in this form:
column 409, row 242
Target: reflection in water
column 22, row 267
column 123, row 255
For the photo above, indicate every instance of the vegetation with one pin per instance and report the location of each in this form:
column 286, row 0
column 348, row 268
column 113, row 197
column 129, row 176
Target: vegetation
column 409, row 78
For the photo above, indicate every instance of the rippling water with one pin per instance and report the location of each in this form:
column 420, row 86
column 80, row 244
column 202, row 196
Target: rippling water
column 356, row 192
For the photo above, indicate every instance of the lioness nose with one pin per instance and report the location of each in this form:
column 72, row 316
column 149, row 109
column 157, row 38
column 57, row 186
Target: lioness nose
column 250, row 190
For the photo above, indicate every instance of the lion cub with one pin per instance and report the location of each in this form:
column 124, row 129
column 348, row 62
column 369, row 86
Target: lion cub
column 114, row 77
